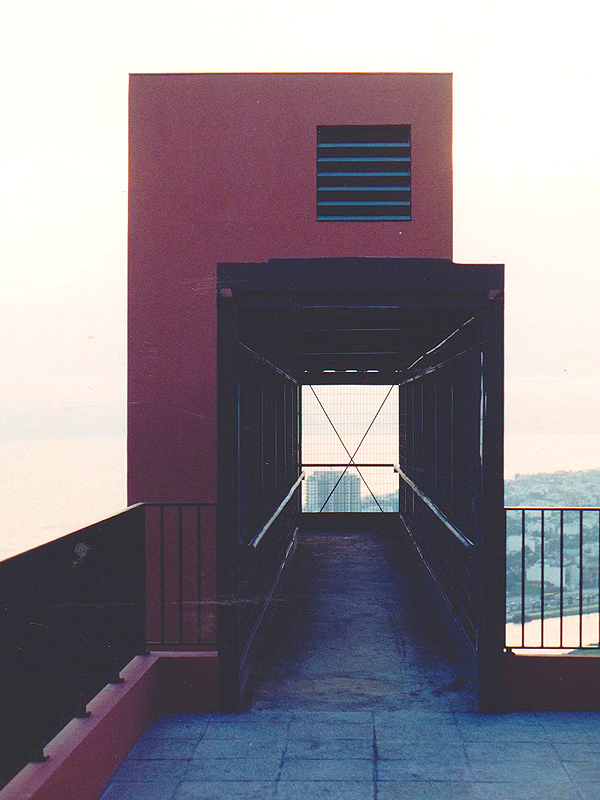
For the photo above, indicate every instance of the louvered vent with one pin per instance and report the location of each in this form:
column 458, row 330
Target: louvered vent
column 363, row 172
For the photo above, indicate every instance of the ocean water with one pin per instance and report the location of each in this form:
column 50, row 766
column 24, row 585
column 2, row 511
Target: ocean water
column 590, row 632
column 50, row 487
column 529, row 453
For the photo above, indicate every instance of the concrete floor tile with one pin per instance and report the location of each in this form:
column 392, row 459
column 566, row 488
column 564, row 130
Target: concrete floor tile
column 233, row 769
column 349, row 717
column 324, row 790
column 252, row 716
column 583, row 771
column 577, row 751
column 146, row 770
column 340, row 749
column 163, row 748
column 512, row 771
column 248, row 732
column 424, row 734
column 532, row 791
column 313, row 769
column 514, row 720
column 439, row 752
column 208, row 749
column 305, row 729
column 185, row 726
column 573, row 735
column 499, row 731
column 426, row 790
column 511, row 751
column 579, row 730
column 589, row 791
column 159, row 790
column 227, row 790
column 421, row 770
column 414, row 716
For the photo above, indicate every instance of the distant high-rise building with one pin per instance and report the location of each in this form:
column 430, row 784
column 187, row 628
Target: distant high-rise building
column 344, row 488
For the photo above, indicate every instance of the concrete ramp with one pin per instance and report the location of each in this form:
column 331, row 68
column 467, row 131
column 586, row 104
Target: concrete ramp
column 356, row 630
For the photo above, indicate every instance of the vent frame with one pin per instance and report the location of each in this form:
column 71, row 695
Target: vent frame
column 364, row 173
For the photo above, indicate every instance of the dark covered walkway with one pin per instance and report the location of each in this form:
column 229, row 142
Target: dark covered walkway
column 355, row 630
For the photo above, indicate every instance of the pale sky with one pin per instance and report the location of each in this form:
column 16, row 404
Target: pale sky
column 526, row 178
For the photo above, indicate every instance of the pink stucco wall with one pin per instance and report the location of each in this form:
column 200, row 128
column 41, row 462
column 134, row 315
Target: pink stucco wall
column 85, row 753
column 222, row 168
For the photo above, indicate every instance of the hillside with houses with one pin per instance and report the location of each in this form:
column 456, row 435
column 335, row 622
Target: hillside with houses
column 554, row 489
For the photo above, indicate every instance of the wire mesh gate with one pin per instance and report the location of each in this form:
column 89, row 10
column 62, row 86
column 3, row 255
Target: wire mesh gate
column 350, row 440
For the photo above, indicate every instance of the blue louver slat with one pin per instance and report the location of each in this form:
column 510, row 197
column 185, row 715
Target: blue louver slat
column 364, row 144
column 363, row 203
column 364, row 188
column 367, row 158
column 359, row 174
column 364, row 219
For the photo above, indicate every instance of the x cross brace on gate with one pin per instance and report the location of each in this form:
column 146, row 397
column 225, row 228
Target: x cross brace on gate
column 351, row 456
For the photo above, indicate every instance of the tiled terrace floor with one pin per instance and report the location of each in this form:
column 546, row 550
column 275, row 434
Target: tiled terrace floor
column 359, row 698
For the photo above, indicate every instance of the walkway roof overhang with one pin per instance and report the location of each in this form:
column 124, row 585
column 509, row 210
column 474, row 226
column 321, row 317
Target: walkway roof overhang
column 356, row 320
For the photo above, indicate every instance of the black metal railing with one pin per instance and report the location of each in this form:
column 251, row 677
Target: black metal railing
column 553, row 570
column 181, row 574
column 448, row 553
column 280, row 508
column 71, row 617
column 263, row 559
column 459, row 535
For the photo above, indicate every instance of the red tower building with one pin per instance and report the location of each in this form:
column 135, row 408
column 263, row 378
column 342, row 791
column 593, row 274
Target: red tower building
column 223, row 169
column 312, row 191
